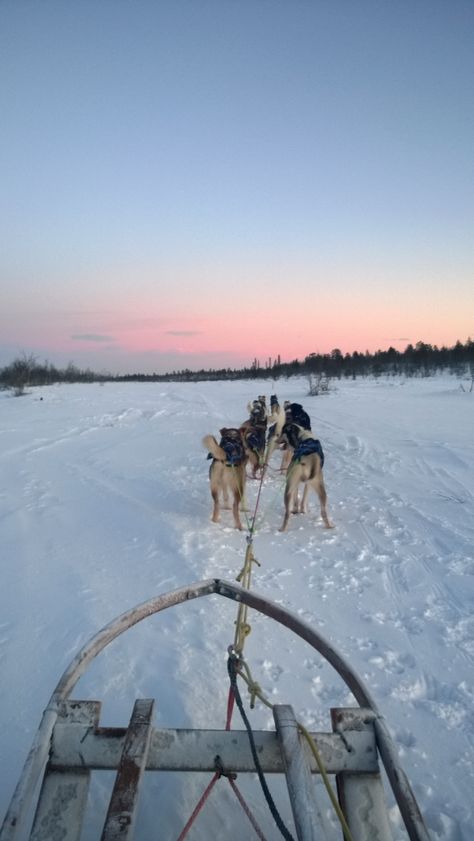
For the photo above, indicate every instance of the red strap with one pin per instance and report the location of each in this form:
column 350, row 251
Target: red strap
column 199, row 806
column 246, row 809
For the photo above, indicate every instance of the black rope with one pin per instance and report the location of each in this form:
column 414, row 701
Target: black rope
column 232, row 669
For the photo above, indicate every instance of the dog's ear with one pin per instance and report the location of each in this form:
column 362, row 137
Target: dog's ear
column 223, row 430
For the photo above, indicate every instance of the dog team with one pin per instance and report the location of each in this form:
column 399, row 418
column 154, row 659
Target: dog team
column 287, row 427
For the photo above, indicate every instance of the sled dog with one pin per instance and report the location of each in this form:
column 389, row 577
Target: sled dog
column 227, row 471
column 253, row 433
column 258, row 407
column 294, row 413
column 276, row 421
column 306, row 467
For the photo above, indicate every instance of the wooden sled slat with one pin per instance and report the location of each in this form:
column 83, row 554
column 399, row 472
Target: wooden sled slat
column 361, row 795
column 63, row 797
column 123, row 803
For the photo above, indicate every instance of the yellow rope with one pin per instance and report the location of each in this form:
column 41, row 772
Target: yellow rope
column 256, row 692
column 242, row 629
column 325, row 778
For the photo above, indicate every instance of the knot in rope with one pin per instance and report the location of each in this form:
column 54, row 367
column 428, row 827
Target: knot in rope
column 249, row 560
column 255, row 691
column 220, row 770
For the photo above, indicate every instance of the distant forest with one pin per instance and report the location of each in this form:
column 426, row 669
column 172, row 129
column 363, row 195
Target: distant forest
column 420, row 360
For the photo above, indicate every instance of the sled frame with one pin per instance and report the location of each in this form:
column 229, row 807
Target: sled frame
column 58, row 773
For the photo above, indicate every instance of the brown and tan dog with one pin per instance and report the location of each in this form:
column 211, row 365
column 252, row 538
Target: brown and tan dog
column 306, row 468
column 253, row 433
column 227, row 471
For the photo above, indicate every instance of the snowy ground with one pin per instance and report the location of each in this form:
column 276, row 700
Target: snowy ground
column 104, row 502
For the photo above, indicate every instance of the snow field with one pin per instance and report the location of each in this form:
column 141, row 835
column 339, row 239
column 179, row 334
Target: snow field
column 105, row 503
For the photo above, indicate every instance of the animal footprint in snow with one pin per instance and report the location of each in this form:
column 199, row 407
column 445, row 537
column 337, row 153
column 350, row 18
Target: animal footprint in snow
column 273, row 671
column 392, row 662
column 365, row 644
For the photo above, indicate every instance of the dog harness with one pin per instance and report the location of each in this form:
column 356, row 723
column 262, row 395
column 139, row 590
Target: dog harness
column 255, row 439
column 234, row 450
column 298, row 415
column 257, row 415
column 307, row 447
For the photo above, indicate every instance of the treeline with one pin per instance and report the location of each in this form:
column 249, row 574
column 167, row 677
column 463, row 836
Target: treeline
column 420, row 360
column 26, row 371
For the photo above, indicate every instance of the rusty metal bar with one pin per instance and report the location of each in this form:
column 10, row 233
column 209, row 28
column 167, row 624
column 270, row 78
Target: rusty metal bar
column 123, row 803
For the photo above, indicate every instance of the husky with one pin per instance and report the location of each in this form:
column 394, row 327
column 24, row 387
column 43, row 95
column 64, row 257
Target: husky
column 258, row 406
column 275, row 421
column 227, row 471
column 294, row 413
column 253, row 433
column 306, row 467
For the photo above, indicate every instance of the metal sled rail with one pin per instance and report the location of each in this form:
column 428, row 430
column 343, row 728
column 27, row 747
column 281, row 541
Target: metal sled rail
column 69, row 743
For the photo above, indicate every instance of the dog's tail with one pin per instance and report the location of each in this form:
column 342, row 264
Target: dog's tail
column 278, row 418
column 211, row 445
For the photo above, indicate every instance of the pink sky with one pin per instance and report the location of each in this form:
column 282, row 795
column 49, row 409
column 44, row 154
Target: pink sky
column 240, row 181
column 258, row 312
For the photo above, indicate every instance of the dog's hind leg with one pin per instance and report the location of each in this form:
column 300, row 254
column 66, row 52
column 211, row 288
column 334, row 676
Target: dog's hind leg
column 295, row 508
column 321, row 492
column 286, row 460
column 216, row 511
column 235, row 510
column 303, row 507
column 289, row 492
column 225, row 498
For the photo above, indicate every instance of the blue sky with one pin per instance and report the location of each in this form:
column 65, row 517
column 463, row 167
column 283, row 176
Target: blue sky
column 196, row 183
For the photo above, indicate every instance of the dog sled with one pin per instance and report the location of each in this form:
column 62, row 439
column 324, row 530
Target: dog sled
column 51, row 796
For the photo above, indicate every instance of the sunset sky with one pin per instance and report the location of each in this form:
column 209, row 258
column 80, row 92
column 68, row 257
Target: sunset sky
column 195, row 183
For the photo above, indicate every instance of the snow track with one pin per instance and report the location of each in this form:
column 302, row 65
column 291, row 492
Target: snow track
column 105, row 502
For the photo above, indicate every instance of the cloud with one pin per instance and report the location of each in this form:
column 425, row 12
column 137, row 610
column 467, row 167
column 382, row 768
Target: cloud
column 183, row 332
column 92, row 337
